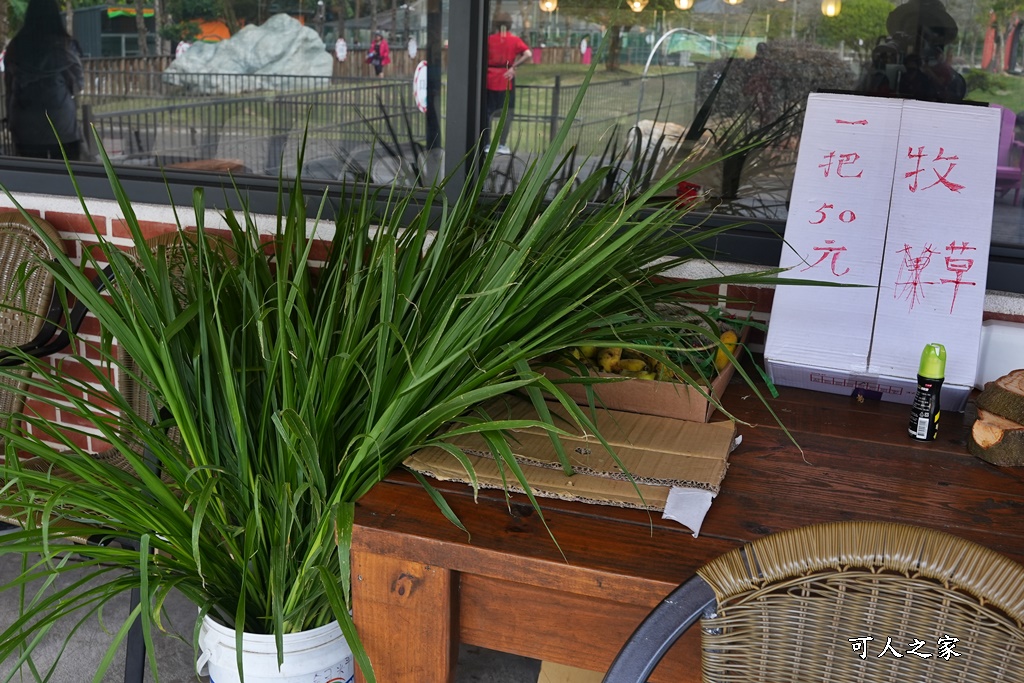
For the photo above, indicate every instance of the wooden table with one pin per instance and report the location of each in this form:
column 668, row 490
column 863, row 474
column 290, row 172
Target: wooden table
column 421, row 585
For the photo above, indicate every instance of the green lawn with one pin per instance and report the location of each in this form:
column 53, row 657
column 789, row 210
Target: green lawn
column 572, row 74
column 1004, row 89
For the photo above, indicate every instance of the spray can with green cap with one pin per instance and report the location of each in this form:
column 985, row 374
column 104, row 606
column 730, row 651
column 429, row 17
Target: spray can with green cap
column 924, row 415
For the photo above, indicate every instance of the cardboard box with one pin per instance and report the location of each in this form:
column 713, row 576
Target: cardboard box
column 658, row 452
column 895, row 197
column 675, row 400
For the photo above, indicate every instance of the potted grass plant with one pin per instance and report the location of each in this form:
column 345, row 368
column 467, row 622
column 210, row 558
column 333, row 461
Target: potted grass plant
column 288, row 375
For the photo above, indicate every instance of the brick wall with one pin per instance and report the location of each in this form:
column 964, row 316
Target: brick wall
column 66, row 215
column 78, row 234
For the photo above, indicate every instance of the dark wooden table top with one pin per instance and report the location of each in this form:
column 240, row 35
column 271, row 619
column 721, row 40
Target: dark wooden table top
column 855, row 461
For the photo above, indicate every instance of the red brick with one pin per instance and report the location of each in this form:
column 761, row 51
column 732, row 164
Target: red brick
column 321, row 249
column 74, row 223
column 150, row 229
column 77, row 438
column 69, row 367
column 97, row 445
column 751, row 298
column 90, row 326
column 73, row 248
column 49, row 395
column 39, row 408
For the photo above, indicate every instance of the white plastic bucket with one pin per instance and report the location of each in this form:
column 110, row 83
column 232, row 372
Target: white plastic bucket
column 320, row 655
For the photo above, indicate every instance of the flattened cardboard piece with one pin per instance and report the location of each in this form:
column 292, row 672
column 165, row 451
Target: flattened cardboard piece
column 835, row 232
column 647, row 465
column 936, row 254
column 544, row 482
column 655, row 449
column 658, row 452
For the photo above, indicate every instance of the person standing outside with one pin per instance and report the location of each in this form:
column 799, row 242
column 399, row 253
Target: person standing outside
column 42, row 75
column 379, row 55
column 505, row 52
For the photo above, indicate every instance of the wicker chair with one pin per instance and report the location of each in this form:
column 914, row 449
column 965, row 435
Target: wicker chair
column 850, row 602
column 29, row 313
column 137, row 396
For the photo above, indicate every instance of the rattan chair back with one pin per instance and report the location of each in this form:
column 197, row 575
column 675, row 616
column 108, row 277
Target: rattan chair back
column 26, row 288
column 864, row 602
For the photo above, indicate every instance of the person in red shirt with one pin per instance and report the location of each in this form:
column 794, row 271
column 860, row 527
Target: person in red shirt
column 379, row 55
column 505, row 52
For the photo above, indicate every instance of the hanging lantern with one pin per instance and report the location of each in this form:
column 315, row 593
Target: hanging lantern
column 684, row 4
column 831, row 8
column 548, row 5
column 733, row 2
column 638, row 5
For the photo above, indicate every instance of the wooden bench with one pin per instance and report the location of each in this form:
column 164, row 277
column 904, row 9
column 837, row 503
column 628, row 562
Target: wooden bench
column 420, row 585
column 212, row 165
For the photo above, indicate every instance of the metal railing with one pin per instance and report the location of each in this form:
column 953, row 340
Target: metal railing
column 606, row 114
column 149, row 118
column 258, row 129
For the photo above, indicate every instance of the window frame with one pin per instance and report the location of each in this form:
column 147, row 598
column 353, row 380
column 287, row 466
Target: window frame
column 752, row 241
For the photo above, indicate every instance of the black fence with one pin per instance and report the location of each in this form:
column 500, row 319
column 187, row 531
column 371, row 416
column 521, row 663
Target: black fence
column 257, row 123
column 260, row 129
column 607, row 113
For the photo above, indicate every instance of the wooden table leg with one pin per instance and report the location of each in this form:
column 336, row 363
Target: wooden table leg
column 406, row 615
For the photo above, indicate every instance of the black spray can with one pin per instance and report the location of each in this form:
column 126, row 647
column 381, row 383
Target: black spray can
column 924, row 414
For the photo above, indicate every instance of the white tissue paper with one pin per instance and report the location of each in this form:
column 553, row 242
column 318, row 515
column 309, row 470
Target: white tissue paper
column 688, row 507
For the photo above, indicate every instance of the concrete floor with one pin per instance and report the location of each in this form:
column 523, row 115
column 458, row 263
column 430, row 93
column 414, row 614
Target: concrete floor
column 175, row 657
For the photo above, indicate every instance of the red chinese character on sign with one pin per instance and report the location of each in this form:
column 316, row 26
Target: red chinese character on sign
column 827, row 251
column 844, row 159
column 959, row 266
column 911, row 270
column 942, row 178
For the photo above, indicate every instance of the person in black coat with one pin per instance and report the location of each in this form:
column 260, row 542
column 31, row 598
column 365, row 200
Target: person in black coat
column 42, row 74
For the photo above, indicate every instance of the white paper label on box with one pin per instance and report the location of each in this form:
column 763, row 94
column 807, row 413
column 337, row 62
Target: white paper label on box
column 836, row 230
column 936, row 258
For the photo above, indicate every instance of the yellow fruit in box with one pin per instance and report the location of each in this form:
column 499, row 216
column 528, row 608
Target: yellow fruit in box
column 608, row 359
column 729, row 339
column 632, row 365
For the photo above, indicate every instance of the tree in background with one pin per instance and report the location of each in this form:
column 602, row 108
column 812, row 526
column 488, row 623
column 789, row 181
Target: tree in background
column 858, row 27
column 140, row 27
column 614, row 18
column 185, row 16
column 1002, row 15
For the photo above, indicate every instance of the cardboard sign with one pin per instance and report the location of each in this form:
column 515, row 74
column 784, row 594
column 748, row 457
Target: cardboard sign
column 838, row 216
column 896, row 197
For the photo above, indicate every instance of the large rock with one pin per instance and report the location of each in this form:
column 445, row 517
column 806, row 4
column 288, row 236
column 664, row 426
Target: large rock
column 280, row 54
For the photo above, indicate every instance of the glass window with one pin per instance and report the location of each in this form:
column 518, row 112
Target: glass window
column 709, row 78
column 361, row 80
column 676, row 77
